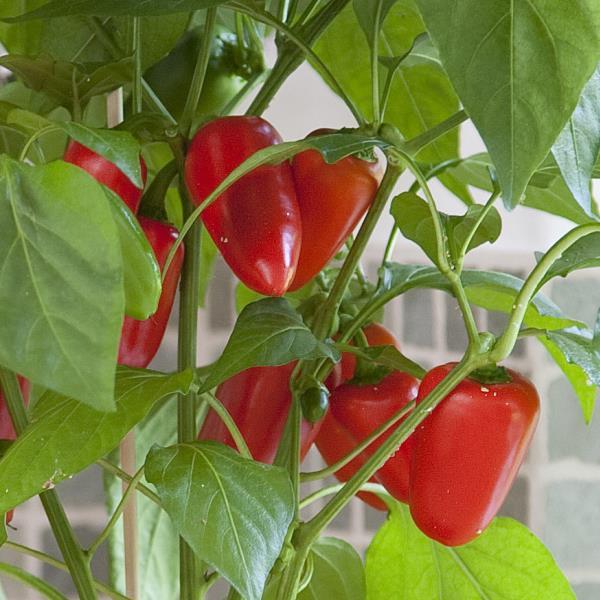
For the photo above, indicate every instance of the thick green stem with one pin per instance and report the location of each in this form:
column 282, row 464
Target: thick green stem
column 414, row 145
column 74, row 557
column 186, row 359
column 506, row 342
column 193, row 97
column 137, row 90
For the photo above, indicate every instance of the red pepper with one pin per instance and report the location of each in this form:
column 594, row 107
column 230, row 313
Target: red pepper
column 140, row 340
column 107, row 173
column 259, row 401
column 356, row 411
column 332, row 198
column 467, row 454
column 7, row 431
column 256, row 223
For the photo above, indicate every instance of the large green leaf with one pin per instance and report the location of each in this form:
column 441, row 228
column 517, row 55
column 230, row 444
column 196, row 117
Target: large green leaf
column 421, row 95
column 65, row 436
column 20, row 39
column 577, row 147
column 233, row 512
column 518, row 68
column 61, row 282
column 338, row 572
column 583, row 254
column 113, row 8
column 507, row 562
column 267, row 333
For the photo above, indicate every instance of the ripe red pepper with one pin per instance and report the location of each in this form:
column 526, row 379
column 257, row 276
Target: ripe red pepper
column 256, row 223
column 140, row 340
column 258, row 400
column 467, row 454
column 332, row 199
column 107, row 173
column 356, row 411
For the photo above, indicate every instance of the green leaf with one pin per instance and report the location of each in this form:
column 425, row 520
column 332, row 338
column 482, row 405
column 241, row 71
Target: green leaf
column 413, row 218
column 369, row 20
column 547, row 190
column 113, row 8
column 141, row 273
column 584, row 389
column 577, row 147
column 65, row 436
column 61, row 281
column 267, row 333
column 23, row 39
column 338, row 572
column 391, row 358
column 421, row 95
column 489, row 289
column 518, row 68
column 212, row 494
column 118, row 147
column 507, row 561
column 57, row 78
column 583, row 254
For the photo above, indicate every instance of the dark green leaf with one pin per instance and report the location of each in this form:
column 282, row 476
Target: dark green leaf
column 268, row 332
column 57, row 78
column 489, row 289
column 141, row 273
column 371, row 16
column 421, row 95
column 211, row 493
column 518, row 68
column 338, row 572
column 584, row 389
column 577, row 147
column 580, row 349
column 583, row 254
column 507, row 561
column 66, row 436
column 391, row 358
column 118, row 147
column 61, row 280
column 113, row 8
column 21, row 39
column 459, row 229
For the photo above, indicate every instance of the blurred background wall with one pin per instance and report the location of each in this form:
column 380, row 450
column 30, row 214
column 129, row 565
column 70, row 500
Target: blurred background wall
column 558, row 491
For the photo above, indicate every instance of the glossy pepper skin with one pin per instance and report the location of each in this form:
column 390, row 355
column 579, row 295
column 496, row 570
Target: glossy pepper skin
column 256, row 223
column 107, row 173
column 356, row 411
column 332, row 198
column 258, row 400
column 140, row 340
column 467, row 454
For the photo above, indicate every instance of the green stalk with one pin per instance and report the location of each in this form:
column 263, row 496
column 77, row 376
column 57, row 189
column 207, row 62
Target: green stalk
column 414, row 145
column 228, row 421
column 75, row 559
column 123, row 476
column 506, row 342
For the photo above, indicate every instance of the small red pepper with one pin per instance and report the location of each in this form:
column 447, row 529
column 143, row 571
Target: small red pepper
column 107, row 173
column 140, row 340
column 259, row 401
column 355, row 411
column 332, row 199
column 256, row 223
column 467, row 454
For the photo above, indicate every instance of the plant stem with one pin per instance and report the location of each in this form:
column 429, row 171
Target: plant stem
column 287, row 62
column 414, row 145
column 61, row 528
column 22, row 576
column 136, row 33
column 331, row 305
column 50, row 560
column 375, row 488
column 193, row 97
column 186, row 359
column 506, row 342
column 228, row 421
column 332, row 469
column 123, row 476
column 131, row 488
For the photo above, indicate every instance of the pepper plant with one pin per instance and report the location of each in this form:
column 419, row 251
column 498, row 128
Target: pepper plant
column 99, row 92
